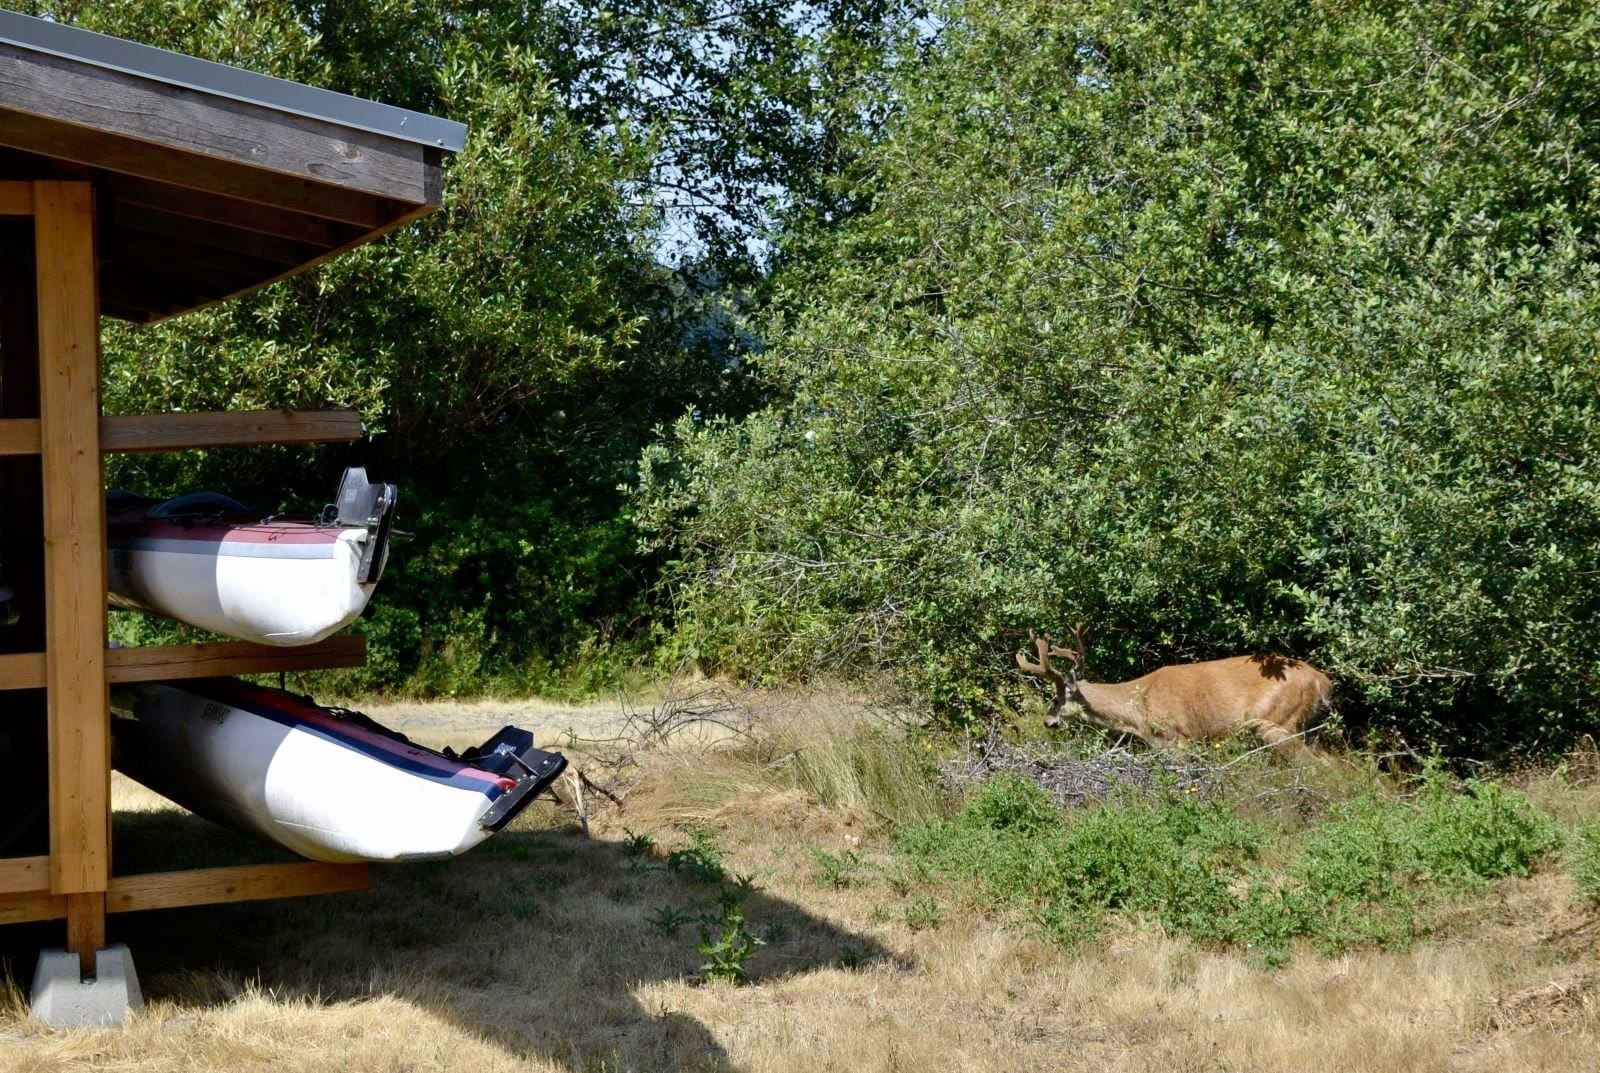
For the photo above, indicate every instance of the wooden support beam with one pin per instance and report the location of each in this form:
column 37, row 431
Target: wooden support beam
column 21, row 875
column 201, row 886
column 177, row 232
column 74, row 548
column 230, row 213
column 176, row 432
column 19, row 436
column 211, row 886
column 179, row 266
column 86, row 928
column 154, row 663
column 16, row 199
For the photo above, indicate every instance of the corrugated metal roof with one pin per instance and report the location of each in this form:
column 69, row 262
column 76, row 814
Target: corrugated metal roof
column 173, row 68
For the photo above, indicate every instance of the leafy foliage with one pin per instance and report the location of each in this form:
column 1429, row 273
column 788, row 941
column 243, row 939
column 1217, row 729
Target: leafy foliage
column 1219, row 328
column 700, row 860
column 1366, row 875
column 726, row 941
column 512, row 353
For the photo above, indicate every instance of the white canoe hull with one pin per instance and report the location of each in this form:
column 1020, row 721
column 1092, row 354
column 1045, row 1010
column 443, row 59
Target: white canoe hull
column 244, row 583
column 210, row 561
column 327, row 787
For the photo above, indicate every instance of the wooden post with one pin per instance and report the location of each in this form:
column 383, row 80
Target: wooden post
column 74, row 559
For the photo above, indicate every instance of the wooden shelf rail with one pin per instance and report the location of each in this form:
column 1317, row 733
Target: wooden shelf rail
column 245, row 428
column 20, row 436
column 145, row 433
column 22, row 875
column 16, row 198
column 201, row 886
column 152, row 663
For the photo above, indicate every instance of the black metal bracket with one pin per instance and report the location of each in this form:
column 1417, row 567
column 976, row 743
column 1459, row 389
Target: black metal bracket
column 362, row 504
column 541, row 769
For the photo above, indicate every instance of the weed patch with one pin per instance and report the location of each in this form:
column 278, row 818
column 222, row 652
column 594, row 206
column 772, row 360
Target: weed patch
column 1584, row 860
column 700, row 861
column 1365, row 876
column 837, row 870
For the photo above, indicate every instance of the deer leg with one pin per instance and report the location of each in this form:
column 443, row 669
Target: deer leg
column 1281, row 741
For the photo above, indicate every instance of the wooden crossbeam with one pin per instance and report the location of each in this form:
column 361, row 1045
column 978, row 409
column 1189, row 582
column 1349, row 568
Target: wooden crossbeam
column 154, row 663
column 176, row 432
column 142, row 433
column 22, row 670
column 201, row 886
column 16, row 199
column 19, row 436
column 228, row 212
column 210, row 886
column 21, row 875
column 28, row 906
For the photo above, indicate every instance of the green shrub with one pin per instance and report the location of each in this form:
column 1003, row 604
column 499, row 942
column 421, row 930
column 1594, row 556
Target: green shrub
column 1368, row 874
column 1010, row 803
column 1174, row 861
column 1371, row 869
column 1478, row 831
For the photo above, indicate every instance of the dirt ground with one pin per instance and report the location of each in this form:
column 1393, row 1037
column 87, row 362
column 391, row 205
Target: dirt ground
column 459, row 724
column 549, row 952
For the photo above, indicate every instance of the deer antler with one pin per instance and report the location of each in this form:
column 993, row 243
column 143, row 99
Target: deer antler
column 1081, row 657
column 1042, row 667
column 1046, row 648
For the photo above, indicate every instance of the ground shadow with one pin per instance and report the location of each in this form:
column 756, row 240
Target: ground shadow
column 535, row 941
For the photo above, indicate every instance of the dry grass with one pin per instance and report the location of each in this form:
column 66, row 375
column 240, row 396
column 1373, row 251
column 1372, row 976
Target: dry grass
column 537, row 952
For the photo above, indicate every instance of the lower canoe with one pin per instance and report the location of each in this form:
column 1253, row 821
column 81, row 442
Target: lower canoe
column 328, row 784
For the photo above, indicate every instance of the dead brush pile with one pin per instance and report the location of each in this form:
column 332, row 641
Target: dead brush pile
column 1116, row 774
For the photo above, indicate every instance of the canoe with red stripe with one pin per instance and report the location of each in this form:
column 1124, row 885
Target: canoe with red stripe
column 326, row 783
column 210, row 561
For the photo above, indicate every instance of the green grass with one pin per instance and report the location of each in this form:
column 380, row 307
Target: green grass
column 1583, row 859
column 1367, row 874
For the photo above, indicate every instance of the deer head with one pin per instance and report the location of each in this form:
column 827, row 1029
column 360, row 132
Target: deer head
column 1066, row 684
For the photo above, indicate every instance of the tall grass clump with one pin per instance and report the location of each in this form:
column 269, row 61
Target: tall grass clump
column 853, row 764
column 1583, row 859
column 1366, row 875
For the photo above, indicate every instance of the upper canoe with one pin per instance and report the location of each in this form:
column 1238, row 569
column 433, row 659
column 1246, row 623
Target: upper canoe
column 209, row 561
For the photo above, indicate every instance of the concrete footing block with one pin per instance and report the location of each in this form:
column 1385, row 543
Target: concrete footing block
column 63, row 999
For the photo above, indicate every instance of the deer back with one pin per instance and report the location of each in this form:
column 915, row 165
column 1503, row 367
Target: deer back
column 1273, row 695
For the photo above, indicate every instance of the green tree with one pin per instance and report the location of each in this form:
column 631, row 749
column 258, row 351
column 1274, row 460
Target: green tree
column 511, row 353
column 1218, row 327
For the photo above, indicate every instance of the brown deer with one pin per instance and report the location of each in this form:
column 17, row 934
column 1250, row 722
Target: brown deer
column 1272, row 695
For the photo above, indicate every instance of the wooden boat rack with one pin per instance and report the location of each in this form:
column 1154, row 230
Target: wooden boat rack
column 141, row 184
column 63, row 511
